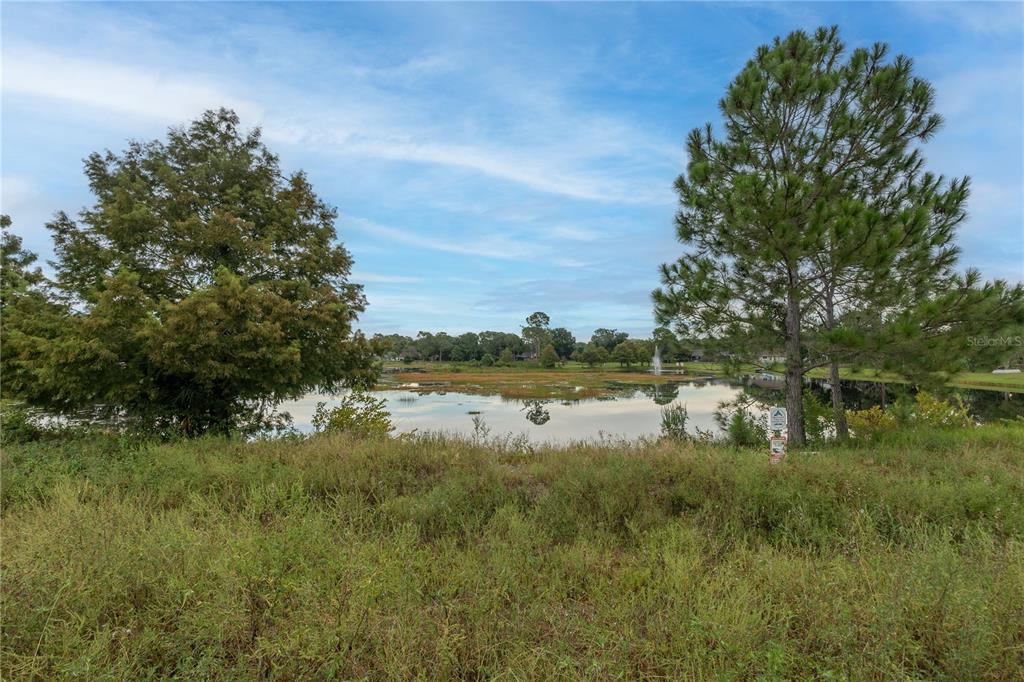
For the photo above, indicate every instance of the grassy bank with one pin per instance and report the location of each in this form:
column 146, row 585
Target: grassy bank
column 572, row 382
column 526, row 380
column 330, row 558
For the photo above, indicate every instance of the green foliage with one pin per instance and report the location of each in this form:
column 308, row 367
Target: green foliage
column 506, row 359
column 673, row 422
column 434, row 558
column 18, row 424
column 870, row 422
column 202, row 288
column 929, row 410
column 739, row 426
column 801, row 222
column 487, row 360
column 608, row 338
column 358, row 413
column 593, row 355
column 18, row 273
column 926, row 410
column 564, row 342
column 624, row 354
column 548, row 357
column 536, row 333
column 818, row 418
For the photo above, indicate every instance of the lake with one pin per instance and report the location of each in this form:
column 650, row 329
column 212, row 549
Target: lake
column 631, row 411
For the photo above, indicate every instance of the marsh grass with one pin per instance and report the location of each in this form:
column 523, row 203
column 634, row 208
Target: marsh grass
column 435, row 558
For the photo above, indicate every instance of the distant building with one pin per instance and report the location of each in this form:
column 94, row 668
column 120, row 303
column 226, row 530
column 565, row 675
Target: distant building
column 771, row 358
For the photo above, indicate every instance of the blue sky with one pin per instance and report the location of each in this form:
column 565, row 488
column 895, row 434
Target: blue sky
column 486, row 160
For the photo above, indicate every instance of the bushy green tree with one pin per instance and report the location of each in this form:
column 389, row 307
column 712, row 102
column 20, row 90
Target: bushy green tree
column 564, row 342
column 608, row 338
column 202, row 288
column 668, row 343
column 506, row 358
column 624, row 354
column 357, row 413
column 592, row 355
column 28, row 319
column 548, row 356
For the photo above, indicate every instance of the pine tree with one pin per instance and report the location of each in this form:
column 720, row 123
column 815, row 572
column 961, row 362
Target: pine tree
column 793, row 200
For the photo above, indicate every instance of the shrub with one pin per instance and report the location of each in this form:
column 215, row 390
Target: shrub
column 358, row 413
column 925, row 410
column 18, row 424
column 548, row 357
column 932, row 411
column 673, row 422
column 744, row 430
column 487, row 360
column 818, row 417
column 740, row 427
column 870, row 422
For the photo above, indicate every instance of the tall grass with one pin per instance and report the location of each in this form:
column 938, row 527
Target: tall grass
column 438, row 558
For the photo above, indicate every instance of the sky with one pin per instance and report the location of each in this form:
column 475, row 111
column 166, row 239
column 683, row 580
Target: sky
column 486, row 160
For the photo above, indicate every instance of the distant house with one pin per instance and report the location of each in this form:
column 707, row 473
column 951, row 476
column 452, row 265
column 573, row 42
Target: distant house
column 771, row 358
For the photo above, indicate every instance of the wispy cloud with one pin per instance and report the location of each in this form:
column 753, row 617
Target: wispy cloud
column 161, row 94
column 505, row 164
column 986, row 19
column 493, row 246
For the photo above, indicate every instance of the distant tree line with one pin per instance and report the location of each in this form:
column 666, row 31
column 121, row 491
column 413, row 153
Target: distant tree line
column 537, row 341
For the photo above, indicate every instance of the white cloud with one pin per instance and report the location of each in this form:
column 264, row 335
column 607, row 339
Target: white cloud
column 146, row 92
column 505, row 164
column 574, row 233
column 564, row 152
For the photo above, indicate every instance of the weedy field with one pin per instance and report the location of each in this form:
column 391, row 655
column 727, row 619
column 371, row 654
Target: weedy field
column 433, row 558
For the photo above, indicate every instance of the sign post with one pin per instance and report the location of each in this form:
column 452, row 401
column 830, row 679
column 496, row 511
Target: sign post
column 777, row 418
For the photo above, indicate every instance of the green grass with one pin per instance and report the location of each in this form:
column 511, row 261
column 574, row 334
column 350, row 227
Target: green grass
column 436, row 559
column 974, row 380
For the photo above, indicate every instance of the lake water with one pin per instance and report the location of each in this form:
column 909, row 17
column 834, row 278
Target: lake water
column 631, row 412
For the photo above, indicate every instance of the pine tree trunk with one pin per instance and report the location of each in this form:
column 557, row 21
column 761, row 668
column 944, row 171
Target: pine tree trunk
column 842, row 430
column 794, row 372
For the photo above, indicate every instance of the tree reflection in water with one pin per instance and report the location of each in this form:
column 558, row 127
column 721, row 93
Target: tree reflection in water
column 536, row 412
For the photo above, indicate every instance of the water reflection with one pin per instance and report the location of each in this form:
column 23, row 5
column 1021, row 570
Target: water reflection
column 631, row 411
column 536, row 413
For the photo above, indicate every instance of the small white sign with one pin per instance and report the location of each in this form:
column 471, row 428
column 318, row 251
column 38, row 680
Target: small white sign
column 777, row 416
column 778, row 449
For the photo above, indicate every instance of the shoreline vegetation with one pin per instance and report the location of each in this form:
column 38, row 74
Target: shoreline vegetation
column 530, row 381
column 335, row 557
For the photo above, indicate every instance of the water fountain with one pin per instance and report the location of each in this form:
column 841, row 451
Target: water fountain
column 656, row 361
